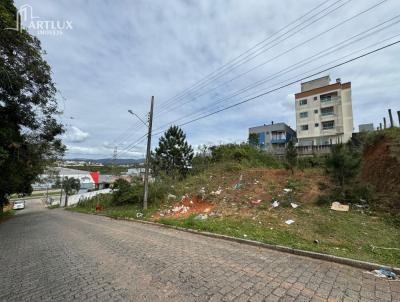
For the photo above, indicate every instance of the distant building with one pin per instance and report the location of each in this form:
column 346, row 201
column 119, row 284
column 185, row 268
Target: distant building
column 274, row 137
column 324, row 114
column 366, row 127
column 88, row 180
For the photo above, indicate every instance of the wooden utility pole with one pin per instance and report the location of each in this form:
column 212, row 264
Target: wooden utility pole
column 390, row 118
column 146, row 171
column 384, row 123
column 398, row 115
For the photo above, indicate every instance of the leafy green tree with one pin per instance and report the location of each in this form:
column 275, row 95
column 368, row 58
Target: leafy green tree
column 29, row 131
column 342, row 165
column 291, row 156
column 70, row 185
column 174, row 155
column 254, row 139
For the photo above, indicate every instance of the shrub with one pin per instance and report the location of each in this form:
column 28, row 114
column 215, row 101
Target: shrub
column 244, row 154
column 342, row 165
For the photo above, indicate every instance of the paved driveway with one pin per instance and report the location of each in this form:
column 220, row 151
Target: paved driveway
column 58, row 255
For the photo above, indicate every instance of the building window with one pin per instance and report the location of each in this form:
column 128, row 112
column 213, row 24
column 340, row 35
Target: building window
column 303, row 102
column 315, row 98
column 304, row 127
column 304, row 114
column 328, row 125
column 316, row 111
column 327, row 111
column 316, row 125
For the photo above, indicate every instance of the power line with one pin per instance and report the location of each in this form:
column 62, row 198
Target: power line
column 185, row 92
column 303, row 62
column 286, row 85
column 289, row 50
column 165, row 104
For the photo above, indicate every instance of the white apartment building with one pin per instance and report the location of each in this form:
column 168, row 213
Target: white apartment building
column 324, row 112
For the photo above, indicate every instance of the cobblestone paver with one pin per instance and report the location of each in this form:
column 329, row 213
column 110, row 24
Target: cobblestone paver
column 48, row 255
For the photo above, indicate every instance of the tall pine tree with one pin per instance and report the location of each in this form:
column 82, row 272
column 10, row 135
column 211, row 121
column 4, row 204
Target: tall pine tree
column 174, row 155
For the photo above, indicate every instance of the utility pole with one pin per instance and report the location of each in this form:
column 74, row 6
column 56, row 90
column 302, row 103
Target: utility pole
column 390, row 118
column 114, row 161
column 398, row 115
column 384, row 123
column 146, row 171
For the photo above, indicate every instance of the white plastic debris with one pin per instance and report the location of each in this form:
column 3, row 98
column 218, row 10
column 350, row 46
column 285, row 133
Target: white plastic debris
column 337, row 206
column 217, row 192
column 275, row 203
column 286, row 190
column 201, row 217
column 290, row 221
column 294, row 205
column 244, row 235
column 139, row 215
column 180, row 209
column 171, row 197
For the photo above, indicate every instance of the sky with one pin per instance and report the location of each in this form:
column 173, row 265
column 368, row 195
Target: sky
column 196, row 57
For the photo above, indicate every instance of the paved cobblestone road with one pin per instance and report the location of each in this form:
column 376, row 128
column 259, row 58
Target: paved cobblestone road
column 58, row 255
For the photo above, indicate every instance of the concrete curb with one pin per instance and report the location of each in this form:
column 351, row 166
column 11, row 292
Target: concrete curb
column 341, row 260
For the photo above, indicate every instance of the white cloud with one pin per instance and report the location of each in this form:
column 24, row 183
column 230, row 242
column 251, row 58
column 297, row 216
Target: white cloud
column 119, row 67
column 75, row 135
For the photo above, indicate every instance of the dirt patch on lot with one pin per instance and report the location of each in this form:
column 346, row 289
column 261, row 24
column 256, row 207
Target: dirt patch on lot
column 186, row 207
column 381, row 169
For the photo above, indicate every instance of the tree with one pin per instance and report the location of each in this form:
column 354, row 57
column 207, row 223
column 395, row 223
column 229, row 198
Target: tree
column 122, row 190
column 173, row 155
column 254, row 139
column 342, row 164
column 291, row 156
column 70, row 185
column 29, row 130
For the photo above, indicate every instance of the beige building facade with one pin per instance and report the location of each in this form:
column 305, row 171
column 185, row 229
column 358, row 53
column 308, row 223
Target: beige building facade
column 324, row 113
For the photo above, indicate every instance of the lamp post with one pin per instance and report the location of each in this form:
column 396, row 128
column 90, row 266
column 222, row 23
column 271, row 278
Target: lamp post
column 146, row 172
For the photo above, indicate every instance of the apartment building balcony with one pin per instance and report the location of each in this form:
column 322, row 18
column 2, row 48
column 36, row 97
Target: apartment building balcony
column 330, row 100
column 313, row 149
column 279, row 140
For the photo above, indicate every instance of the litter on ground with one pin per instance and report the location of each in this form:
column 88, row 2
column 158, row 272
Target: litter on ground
column 287, row 190
column 237, row 186
column 180, row 209
column 384, row 273
column 337, row 206
column 139, row 215
column 217, row 192
column 201, row 217
column 256, row 202
column 290, row 221
column 294, row 205
column 171, row 197
column 275, row 204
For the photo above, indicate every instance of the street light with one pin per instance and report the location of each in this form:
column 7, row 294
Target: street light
column 134, row 114
column 146, row 174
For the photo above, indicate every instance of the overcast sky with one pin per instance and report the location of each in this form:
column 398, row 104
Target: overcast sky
column 119, row 53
